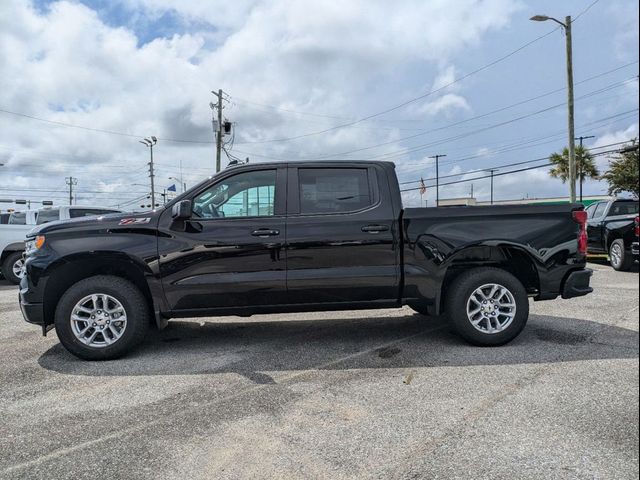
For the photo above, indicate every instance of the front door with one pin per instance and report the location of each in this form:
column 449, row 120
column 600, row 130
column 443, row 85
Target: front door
column 341, row 232
column 229, row 253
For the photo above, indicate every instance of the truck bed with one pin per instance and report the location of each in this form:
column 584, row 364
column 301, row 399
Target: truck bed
column 540, row 238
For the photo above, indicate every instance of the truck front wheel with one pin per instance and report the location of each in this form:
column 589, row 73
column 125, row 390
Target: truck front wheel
column 487, row 306
column 101, row 318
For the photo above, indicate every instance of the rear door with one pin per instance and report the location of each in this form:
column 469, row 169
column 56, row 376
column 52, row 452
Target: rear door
column 341, row 235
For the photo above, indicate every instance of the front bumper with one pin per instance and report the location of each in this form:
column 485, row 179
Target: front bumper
column 634, row 248
column 577, row 283
column 32, row 312
column 31, row 298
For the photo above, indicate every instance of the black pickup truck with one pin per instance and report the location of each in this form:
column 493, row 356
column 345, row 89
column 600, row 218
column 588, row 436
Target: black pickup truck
column 612, row 226
column 293, row 237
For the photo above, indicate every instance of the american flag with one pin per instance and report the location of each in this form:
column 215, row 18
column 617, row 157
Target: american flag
column 423, row 187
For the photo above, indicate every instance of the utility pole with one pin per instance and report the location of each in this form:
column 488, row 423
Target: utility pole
column 437, row 157
column 150, row 142
column 491, row 171
column 71, row 181
column 218, row 130
column 581, row 173
column 572, row 147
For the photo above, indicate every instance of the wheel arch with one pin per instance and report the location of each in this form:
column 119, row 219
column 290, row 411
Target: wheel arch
column 69, row 270
column 513, row 259
column 11, row 248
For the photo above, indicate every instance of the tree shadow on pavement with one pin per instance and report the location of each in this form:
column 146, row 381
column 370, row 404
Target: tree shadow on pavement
column 253, row 349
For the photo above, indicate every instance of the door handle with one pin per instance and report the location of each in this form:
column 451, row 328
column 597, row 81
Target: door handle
column 265, row 232
column 375, row 228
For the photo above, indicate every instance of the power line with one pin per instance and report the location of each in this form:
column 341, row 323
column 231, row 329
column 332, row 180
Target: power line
column 500, row 174
column 412, row 100
column 585, row 10
column 405, row 151
column 506, row 165
column 425, row 132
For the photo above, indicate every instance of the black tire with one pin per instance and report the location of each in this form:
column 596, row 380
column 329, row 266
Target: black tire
column 619, row 258
column 7, row 267
column 135, row 306
column 459, row 293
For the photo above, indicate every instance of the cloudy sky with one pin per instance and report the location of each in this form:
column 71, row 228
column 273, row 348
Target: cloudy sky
column 82, row 81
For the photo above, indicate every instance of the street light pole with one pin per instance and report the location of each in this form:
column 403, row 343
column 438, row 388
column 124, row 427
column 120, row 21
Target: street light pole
column 572, row 147
column 437, row 158
column 492, row 171
column 150, row 142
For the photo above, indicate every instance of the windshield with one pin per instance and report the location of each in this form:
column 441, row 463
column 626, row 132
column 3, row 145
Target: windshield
column 18, row 218
column 45, row 216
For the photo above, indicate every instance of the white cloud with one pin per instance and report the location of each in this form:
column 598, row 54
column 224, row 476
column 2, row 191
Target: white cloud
column 613, row 137
column 445, row 104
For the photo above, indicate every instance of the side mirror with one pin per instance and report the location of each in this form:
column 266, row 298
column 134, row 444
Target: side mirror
column 181, row 210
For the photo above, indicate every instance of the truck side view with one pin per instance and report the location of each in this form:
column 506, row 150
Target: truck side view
column 293, row 237
column 612, row 227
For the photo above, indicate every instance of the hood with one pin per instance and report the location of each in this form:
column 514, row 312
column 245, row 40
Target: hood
column 108, row 221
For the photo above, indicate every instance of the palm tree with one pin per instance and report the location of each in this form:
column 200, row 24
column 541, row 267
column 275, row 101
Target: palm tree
column 585, row 165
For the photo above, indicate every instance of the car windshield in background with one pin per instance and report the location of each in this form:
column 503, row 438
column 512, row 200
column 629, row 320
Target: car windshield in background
column 45, row 216
column 18, row 218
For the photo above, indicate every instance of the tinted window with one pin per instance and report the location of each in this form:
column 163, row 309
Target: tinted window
column 45, row 216
column 249, row 194
column 599, row 211
column 87, row 212
column 590, row 209
column 624, row 208
column 333, row 190
column 18, row 218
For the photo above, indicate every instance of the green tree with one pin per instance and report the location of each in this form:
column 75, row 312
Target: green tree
column 623, row 173
column 585, row 165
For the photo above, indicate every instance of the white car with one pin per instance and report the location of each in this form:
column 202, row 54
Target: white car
column 12, row 235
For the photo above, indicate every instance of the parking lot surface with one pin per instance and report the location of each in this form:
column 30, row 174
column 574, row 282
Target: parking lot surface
column 369, row 394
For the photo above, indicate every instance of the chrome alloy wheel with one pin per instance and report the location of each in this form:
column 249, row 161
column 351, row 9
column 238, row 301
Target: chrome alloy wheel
column 616, row 254
column 98, row 320
column 491, row 308
column 18, row 268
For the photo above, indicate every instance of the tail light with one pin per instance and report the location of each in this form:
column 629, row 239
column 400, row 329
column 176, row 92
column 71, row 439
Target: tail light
column 637, row 226
column 580, row 217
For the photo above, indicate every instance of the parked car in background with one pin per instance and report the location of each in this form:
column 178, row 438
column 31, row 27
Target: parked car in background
column 612, row 226
column 13, row 234
column 303, row 236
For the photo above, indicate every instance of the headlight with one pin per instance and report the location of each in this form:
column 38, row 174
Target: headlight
column 34, row 245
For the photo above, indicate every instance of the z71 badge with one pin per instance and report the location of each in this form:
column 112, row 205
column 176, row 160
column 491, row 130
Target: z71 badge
column 134, row 221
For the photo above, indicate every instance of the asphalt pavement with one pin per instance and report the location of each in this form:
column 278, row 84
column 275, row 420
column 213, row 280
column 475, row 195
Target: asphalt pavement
column 339, row 395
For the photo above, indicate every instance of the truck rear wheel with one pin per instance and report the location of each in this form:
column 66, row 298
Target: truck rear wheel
column 101, row 318
column 13, row 267
column 487, row 306
column 619, row 258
